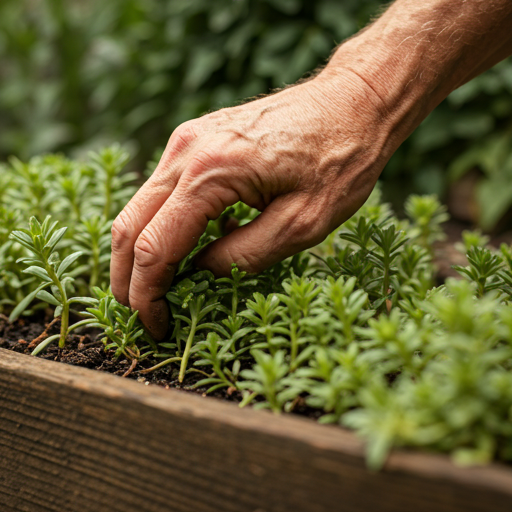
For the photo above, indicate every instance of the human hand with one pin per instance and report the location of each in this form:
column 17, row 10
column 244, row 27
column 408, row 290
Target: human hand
column 306, row 157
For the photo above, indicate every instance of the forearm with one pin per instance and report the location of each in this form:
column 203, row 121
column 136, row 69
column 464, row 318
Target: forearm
column 416, row 53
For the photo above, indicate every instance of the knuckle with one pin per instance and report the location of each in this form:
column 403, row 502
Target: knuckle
column 184, row 135
column 122, row 231
column 203, row 161
column 146, row 252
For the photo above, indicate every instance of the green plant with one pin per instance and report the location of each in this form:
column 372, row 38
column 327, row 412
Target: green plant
column 268, row 379
column 483, row 269
column 215, row 354
column 108, row 165
column 354, row 330
column 72, row 192
column 492, row 156
column 44, row 263
column 92, row 238
column 122, row 331
column 427, row 215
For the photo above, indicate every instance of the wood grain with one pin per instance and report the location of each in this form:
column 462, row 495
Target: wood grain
column 73, row 439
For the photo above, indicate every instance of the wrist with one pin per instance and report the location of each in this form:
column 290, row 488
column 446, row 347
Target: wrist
column 416, row 53
column 406, row 95
column 369, row 78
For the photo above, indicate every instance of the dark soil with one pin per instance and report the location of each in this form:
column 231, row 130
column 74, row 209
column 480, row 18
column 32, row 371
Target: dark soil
column 88, row 352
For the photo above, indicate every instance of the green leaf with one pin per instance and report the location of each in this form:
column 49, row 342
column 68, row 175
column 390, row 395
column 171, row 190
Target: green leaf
column 86, row 301
column 67, row 262
column 202, row 63
column 18, row 310
column 44, row 344
column 39, row 272
column 48, row 297
column 55, row 238
column 21, row 236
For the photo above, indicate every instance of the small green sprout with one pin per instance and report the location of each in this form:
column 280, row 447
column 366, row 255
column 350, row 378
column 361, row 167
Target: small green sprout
column 213, row 353
column 268, row 379
column 483, row 269
column 41, row 240
column 122, row 330
column 427, row 214
column 108, row 165
column 93, row 238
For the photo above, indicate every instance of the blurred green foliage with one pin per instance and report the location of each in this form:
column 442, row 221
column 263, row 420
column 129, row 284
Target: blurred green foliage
column 79, row 74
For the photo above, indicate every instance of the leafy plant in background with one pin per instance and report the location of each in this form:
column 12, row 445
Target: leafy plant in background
column 492, row 156
column 428, row 217
column 71, row 192
column 354, row 329
column 92, row 238
column 92, row 72
column 77, row 75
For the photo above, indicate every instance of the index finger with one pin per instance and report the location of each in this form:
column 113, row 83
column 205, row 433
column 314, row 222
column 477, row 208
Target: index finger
column 143, row 207
column 170, row 236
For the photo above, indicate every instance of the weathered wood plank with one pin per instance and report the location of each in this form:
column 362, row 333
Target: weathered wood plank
column 73, row 439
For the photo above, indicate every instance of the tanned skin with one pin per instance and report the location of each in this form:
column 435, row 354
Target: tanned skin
column 307, row 157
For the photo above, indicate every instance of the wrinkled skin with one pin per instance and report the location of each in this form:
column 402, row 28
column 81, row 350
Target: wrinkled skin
column 306, row 157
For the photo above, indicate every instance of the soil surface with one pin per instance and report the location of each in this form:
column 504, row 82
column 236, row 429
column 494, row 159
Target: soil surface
column 88, row 351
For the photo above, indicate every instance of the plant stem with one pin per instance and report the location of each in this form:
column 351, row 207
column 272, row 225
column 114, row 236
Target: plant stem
column 160, row 365
column 385, row 281
column 64, row 317
column 347, row 330
column 76, row 210
column 272, row 400
column 64, row 324
column 188, row 346
column 234, row 302
column 217, row 369
column 95, row 267
column 294, row 345
column 248, row 398
column 268, row 334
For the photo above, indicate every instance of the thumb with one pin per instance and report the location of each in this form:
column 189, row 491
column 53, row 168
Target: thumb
column 284, row 228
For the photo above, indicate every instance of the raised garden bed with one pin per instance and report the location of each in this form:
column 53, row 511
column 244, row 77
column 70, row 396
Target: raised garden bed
column 73, row 439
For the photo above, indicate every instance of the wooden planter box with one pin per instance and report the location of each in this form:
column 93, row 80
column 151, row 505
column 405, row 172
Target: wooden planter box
column 74, row 440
